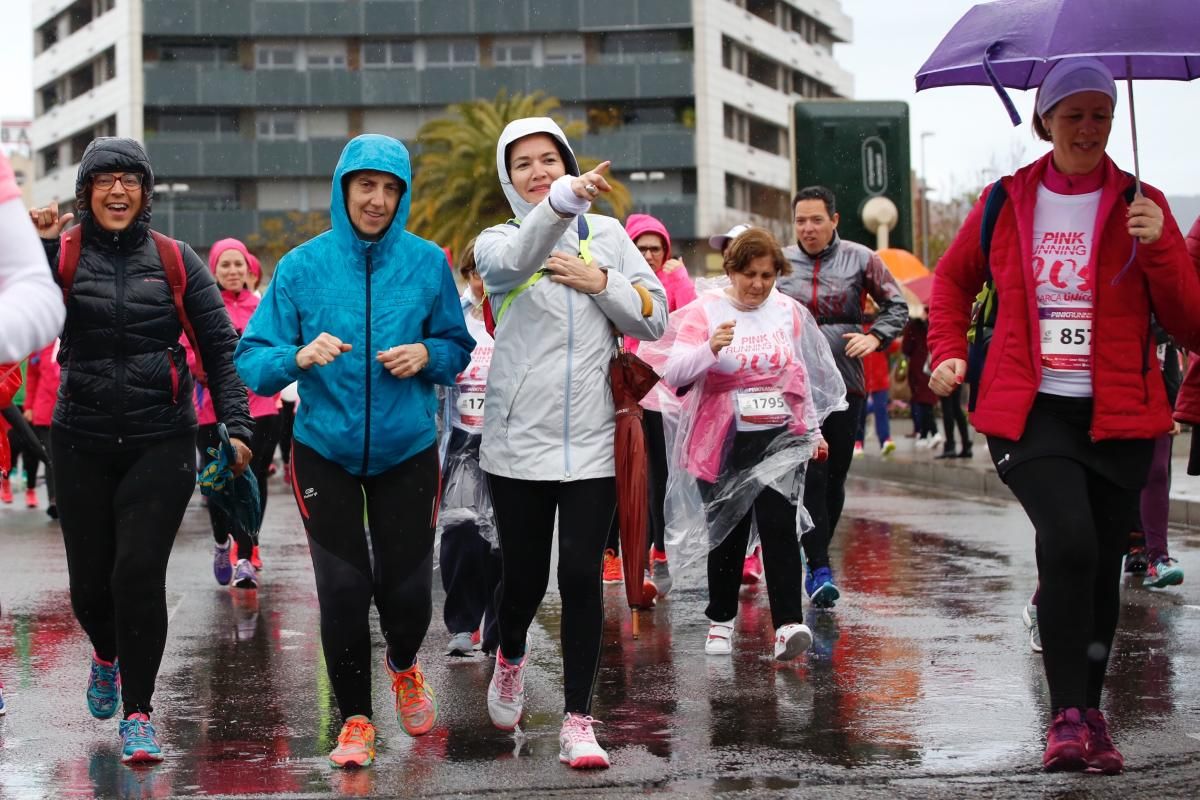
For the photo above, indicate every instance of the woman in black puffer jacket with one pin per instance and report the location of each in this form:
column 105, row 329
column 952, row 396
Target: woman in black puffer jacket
column 124, row 426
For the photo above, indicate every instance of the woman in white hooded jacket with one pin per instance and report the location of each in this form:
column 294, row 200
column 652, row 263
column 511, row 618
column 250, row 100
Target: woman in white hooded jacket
column 561, row 283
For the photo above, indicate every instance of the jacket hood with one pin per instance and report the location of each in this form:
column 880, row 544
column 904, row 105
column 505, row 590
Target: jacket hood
column 114, row 154
column 519, row 129
column 382, row 154
column 227, row 244
column 637, row 224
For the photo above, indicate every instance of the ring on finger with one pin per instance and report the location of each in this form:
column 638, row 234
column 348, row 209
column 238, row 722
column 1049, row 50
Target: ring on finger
column 591, row 189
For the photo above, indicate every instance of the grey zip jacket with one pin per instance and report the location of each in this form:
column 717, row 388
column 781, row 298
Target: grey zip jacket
column 833, row 285
column 549, row 407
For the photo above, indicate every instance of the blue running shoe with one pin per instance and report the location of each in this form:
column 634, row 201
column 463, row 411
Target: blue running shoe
column 139, row 741
column 820, row 588
column 3, row 707
column 104, row 689
column 222, row 568
column 1162, row 573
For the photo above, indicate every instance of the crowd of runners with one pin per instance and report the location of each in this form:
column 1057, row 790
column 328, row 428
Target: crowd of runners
column 413, row 414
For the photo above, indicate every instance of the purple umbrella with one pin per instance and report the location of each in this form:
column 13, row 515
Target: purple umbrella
column 1014, row 43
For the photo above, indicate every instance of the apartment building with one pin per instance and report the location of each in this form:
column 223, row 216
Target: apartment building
column 249, row 102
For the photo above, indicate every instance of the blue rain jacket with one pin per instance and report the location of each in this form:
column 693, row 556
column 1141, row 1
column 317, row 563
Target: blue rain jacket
column 374, row 296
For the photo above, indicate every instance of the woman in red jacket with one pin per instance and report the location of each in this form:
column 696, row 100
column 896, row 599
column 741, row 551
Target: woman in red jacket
column 1070, row 396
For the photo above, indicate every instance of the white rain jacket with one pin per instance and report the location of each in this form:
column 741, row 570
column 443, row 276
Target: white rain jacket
column 549, row 403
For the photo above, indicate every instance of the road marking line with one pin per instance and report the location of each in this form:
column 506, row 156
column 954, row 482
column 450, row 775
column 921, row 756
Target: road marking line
column 171, row 616
column 1195, row 735
column 1193, row 608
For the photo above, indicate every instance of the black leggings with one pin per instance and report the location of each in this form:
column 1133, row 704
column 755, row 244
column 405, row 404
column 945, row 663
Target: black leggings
column 287, row 421
column 952, row 416
column 119, row 512
column 776, row 531
column 1082, row 523
column 656, row 452
column 395, row 568
column 266, row 432
column 825, row 484
column 43, row 434
column 525, row 523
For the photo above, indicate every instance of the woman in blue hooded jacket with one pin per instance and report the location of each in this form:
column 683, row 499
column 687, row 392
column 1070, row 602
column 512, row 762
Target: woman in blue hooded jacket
column 366, row 318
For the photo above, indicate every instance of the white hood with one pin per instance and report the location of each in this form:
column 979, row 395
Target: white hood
column 518, row 129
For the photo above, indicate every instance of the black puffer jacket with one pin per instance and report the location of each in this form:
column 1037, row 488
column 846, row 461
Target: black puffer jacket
column 125, row 379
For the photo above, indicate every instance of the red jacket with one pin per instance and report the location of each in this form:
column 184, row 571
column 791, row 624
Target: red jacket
column 1187, row 405
column 1127, row 386
column 41, row 384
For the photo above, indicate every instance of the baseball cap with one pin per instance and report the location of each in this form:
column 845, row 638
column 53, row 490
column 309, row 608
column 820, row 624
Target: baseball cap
column 720, row 241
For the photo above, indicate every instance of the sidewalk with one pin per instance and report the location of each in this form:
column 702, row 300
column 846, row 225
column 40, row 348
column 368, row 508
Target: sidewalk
column 977, row 475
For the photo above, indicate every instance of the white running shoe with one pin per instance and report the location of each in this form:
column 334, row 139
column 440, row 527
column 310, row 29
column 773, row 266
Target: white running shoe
column 936, row 441
column 720, row 639
column 791, row 640
column 577, row 747
column 506, row 692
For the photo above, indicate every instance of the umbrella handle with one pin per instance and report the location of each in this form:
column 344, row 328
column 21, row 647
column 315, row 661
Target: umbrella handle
column 1137, row 165
column 1009, row 106
column 637, row 628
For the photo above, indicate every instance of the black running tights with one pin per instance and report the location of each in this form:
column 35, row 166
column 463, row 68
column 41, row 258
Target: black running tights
column 119, row 512
column 825, row 484
column 1082, row 523
column 394, row 568
column 525, row 523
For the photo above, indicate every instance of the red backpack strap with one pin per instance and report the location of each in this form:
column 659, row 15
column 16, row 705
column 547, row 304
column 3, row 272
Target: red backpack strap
column 172, row 261
column 70, row 243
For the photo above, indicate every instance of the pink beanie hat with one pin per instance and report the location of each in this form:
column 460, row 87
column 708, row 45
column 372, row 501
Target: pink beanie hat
column 227, row 244
column 637, row 224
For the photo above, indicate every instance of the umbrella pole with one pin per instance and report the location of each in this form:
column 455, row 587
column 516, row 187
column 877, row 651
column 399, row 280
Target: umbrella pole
column 1137, row 167
column 636, row 626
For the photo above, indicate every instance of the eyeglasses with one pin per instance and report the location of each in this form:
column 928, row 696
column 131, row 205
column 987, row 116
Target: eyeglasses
column 651, row 249
column 105, row 180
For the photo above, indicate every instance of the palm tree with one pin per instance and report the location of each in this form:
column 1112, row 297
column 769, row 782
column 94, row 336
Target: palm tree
column 456, row 191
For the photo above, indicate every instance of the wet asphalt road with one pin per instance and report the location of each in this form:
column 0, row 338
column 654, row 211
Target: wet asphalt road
column 921, row 683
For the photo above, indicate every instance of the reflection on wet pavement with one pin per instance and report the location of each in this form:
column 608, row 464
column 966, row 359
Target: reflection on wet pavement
column 922, row 672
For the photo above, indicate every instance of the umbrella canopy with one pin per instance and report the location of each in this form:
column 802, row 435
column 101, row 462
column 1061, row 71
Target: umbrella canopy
column 903, row 265
column 237, row 495
column 921, row 288
column 631, row 379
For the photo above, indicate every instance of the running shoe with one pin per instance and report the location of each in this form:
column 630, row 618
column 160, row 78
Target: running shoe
column 660, row 571
column 858, row 450
column 719, row 641
column 256, row 558
column 791, row 640
column 1102, row 754
column 52, row 510
column 104, row 688
column 31, row 498
column 1136, row 561
column 460, row 645
column 889, row 447
column 577, row 746
column 1162, row 573
column 6, row 495
column 245, row 576
column 821, row 589
column 222, row 569
column 416, row 704
column 356, row 743
column 3, row 705
column 506, row 692
column 1066, row 743
column 139, row 741
column 1029, row 617
column 936, row 441
column 752, row 569
column 612, row 567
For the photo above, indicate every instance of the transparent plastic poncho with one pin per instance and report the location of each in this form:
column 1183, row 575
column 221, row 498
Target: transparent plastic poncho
column 701, row 425
column 465, row 495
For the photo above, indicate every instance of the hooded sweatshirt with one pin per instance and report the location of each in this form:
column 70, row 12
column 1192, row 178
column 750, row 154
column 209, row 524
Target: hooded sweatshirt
column 549, row 404
column 373, row 295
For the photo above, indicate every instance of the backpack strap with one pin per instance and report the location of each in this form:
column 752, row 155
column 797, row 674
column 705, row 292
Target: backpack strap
column 172, row 261
column 991, row 212
column 70, row 243
column 491, row 318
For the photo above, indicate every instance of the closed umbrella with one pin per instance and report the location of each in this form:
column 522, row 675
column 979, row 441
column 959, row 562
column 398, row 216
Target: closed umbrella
column 1014, row 43
column 236, row 495
column 631, row 379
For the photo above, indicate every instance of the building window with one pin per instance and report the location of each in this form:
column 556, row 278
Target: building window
column 452, row 53
column 513, row 54
column 277, row 56
column 562, row 50
column 763, row 9
column 49, row 158
column 204, row 124
column 49, row 97
column 755, row 198
column 198, row 53
column 325, row 56
column 46, row 36
column 645, row 47
column 278, row 126
column 381, row 55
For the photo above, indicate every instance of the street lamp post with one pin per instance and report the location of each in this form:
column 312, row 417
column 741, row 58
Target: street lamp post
column 924, row 202
column 170, row 190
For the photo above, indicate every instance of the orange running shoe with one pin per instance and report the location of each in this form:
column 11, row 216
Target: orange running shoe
column 5, row 491
column 356, row 743
column 612, row 567
column 416, row 704
column 31, row 498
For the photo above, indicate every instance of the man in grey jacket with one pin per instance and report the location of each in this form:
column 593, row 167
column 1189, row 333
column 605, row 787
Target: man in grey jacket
column 832, row 278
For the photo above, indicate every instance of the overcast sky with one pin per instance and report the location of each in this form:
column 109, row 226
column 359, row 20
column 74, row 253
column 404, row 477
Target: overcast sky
column 892, row 39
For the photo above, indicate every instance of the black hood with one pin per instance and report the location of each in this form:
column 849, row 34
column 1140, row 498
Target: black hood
column 114, row 154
